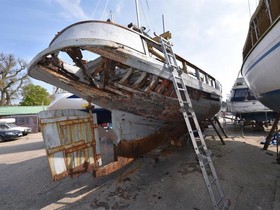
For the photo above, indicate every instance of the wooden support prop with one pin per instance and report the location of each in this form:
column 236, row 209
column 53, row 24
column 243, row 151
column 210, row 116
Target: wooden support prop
column 213, row 125
column 221, row 128
column 112, row 167
column 273, row 129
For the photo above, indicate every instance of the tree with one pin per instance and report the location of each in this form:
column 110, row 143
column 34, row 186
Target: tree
column 13, row 77
column 35, row 95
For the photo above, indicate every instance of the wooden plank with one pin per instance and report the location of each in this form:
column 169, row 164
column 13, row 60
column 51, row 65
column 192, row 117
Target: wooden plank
column 112, row 167
column 166, row 35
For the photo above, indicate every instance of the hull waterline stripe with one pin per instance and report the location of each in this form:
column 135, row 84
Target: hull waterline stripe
column 271, row 93
column 263, row 56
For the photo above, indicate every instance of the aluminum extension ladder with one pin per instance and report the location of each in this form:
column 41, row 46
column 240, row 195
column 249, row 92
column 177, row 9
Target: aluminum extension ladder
column 203, row 154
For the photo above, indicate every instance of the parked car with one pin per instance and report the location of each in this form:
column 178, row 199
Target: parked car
column 12, row 126
column 8, row 134
column 9, row 123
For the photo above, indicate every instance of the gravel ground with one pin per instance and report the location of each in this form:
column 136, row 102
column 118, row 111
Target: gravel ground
column 248, row 174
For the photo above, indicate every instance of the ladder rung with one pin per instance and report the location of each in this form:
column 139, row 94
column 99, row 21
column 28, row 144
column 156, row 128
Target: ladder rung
column 186, row 102
column 202, row 158
column 178, row 77
column 220, row 199
column 168, row 47
column 203, row 154
column 213, row 181
column 186, row 109
column 200, row 146
column 206, row 163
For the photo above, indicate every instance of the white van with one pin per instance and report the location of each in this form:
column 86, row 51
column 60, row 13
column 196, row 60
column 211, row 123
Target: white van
column 9, row 124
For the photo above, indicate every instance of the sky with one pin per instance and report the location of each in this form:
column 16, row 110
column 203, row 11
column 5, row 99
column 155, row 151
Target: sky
column 207, row 33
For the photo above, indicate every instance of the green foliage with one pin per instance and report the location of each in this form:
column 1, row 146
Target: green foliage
column 35, row 95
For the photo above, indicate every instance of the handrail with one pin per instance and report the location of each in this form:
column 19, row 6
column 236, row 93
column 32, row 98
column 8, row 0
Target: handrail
column 265, row 16
column 207, row 78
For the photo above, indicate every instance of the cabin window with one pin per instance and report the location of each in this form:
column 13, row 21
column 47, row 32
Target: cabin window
column 3, row 127
column 240, row 94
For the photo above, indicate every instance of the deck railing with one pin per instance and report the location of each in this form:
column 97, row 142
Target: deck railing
column 266, row 15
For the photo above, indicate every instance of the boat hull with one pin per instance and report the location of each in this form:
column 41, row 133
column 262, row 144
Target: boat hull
column 123, row 70
column 245, row 106
column 251, row 110
column 261, row 69
column 150, row 95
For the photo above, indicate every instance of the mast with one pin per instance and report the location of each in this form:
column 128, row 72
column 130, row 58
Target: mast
column 137, row 13
column 163, row 24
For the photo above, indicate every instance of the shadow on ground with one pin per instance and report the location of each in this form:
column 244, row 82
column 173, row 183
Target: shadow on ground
column 247, row 173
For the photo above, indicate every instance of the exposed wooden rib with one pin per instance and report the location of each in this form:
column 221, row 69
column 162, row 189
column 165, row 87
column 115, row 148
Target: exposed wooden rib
column 95, row 66
column 107, row 68
column 125, row 89
column 141, row 80
column 126, row 77
column 66, row 78
column 56, row 65
column 77, row 57
column 169, row 89
column 160, row 88
column 152, row 84
column 98, row 70
column 123, row 92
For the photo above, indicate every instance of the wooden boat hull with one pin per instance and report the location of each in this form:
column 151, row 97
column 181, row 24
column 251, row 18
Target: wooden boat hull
column 124, row 72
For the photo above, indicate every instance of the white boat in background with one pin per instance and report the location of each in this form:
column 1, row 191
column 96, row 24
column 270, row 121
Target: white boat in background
column 244, row 106
column 126, row 74
column 261, row 53
column 65, row 100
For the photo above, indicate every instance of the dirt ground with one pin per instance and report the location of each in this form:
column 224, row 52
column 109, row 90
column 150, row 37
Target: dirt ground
column 248, row 174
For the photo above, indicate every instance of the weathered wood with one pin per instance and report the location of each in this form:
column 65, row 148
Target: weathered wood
column 112, row 167
column 126, row 77
column 166, row 35
column 273, row 129
column 141, row 80
column 216, row 130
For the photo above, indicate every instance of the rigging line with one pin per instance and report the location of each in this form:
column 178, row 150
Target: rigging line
column 143, row 14
column 249, row 8
column 147, row 5
column 148, row 18
column 95, row 9
column 104, row 10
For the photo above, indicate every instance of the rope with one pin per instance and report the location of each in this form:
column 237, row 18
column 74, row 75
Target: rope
column 148, row 19
column 95, row 9
column 104, row 10
column 249, row 8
